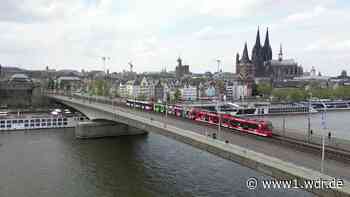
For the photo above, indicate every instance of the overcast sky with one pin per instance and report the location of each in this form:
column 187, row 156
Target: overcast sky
column 75, row 34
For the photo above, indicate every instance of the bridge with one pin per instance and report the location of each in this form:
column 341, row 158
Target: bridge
column 273, row 159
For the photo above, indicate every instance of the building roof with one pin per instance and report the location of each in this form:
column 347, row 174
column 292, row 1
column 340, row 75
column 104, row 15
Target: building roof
column 137, row 82
column 20, row 77
column 285, row 62
column 68, row 78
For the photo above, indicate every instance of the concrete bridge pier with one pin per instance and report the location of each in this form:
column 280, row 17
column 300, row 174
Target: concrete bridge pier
column 91, row 129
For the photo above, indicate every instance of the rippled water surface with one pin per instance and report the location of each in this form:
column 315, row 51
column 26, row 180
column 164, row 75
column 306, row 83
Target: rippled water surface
column 53, row 163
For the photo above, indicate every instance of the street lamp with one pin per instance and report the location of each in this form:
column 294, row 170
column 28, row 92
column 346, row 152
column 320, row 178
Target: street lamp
column 104, row 59
column 219, row 116
column 166, row 111
column 323, row 133
column 309, row 119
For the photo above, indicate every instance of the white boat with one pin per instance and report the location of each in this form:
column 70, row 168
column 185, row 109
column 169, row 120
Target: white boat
column 3, row 113
column 259, row 109
column 38, row 122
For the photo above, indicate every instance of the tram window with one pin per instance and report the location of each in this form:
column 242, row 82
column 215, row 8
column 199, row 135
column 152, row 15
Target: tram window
column 2, row 126
column 59, row 123
column 43, row 124
column 64, row 119
column 2, row 122
column 8, row 125
column 8, row 122
column 14, row 121
column 20, row 121
column 65, row 123
column 60, row 119
column 37, row 124
column 235, row 123
column 252, row 126
column 244, row 125
column 31, row 121
column 225, row 121
column 32, row 124
column 26, row 125
column 37, row 120
column 54, row 123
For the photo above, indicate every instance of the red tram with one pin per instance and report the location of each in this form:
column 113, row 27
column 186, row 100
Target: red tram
column 257, row 127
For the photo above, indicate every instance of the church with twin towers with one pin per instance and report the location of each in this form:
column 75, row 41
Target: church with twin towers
column 262, row 65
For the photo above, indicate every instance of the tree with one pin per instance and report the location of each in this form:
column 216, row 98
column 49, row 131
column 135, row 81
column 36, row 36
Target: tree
column 343, row 74
column 342, row 92
column 220, row 85
column 297, row 95
column 177, row 95
column 290, row 94
column 264, row 89
column 51, row 84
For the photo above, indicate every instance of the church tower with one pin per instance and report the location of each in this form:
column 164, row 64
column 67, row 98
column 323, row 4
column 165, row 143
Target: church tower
column 257, row 56
column 280, row 54
column 244, row 67
column 267, row 50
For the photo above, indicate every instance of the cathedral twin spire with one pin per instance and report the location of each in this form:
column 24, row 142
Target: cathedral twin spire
column 267, row 50
column 260, row 54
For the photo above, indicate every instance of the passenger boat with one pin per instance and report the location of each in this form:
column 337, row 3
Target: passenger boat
column 45, row 121
column 325, row 104
column 259, row 109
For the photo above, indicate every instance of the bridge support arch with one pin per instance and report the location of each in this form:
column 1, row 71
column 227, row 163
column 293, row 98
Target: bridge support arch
column 101, row 128
column 102, row 124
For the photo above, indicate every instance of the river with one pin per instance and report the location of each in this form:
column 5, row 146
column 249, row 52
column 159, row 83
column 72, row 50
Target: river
column 336, row 122
column 53, row 163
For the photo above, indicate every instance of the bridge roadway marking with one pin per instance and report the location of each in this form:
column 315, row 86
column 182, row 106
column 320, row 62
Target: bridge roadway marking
column 269, row 165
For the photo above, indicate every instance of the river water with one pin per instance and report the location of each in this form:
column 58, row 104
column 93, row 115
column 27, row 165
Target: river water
column 53, row 163
column 336, row 121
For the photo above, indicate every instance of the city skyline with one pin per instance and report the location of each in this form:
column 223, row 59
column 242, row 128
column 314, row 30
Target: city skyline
column 152, row 35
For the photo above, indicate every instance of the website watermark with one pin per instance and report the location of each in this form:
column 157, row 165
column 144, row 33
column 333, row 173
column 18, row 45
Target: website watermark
column 271, row 184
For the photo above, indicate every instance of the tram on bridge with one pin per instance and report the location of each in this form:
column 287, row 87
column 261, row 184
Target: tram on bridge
column 253, row 126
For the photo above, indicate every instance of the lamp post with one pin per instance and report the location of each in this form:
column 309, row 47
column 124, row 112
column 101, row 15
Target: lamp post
column 219, row 116
column 309, row 120
column 104, row 59
column 166, row 111
column 323, row 133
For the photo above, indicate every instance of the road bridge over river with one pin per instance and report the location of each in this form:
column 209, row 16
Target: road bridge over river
column 274, row 159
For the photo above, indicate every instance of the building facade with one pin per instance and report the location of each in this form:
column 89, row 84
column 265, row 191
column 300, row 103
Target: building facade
column 235, row 91
column 17, row 91
column 188, row 92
